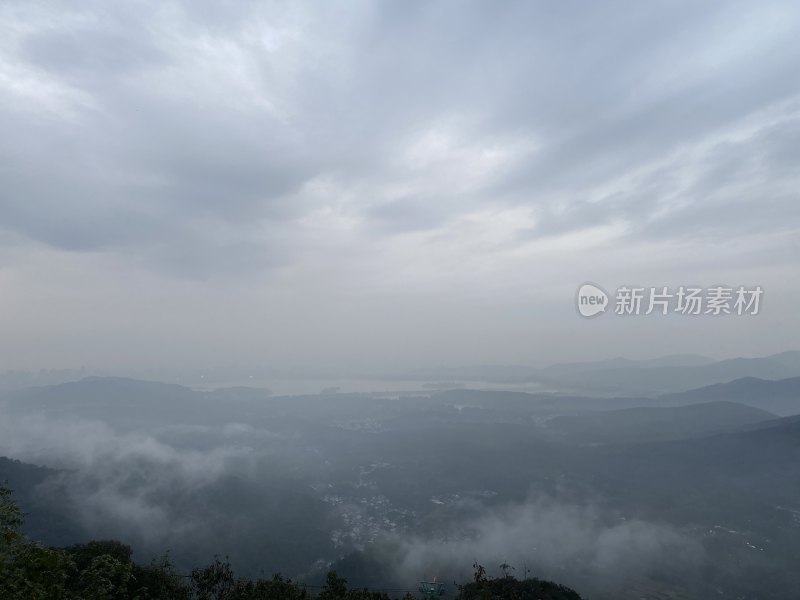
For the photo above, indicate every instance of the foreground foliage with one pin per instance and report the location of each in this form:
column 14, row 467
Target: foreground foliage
column 509, row 588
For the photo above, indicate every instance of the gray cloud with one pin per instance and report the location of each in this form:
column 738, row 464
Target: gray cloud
column 373, row 147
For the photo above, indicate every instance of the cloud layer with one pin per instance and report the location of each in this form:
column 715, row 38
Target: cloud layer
column 371, row 160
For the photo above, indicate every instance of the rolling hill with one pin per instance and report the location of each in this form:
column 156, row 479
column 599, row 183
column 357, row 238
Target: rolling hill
column 657, row 423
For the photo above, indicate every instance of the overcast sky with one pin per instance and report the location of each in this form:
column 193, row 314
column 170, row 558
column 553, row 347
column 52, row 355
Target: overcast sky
column 382, row 185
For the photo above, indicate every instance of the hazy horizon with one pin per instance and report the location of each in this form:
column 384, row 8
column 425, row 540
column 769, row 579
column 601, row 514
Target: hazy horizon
column 321, row 373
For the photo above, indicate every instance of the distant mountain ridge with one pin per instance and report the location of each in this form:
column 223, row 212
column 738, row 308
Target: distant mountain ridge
column 520, row 373
column 669, row 360
column 781, row 397
column 626, row 377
